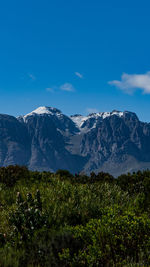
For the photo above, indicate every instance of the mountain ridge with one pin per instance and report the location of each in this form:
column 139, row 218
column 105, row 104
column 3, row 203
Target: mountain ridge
column 46, row 139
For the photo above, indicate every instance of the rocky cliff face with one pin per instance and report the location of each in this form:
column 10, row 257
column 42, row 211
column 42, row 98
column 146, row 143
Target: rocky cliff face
column 46, row 139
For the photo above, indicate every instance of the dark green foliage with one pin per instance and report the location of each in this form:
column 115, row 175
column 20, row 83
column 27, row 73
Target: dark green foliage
column 102, row 177
column 93, row 178
column 11, row 174
column 137, row 184
column 64, row 174
column 60, row 219
column 110, row 240
column 2, row 240
column 47, row 244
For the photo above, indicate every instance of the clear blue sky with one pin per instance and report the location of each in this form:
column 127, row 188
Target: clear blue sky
column 72, row 55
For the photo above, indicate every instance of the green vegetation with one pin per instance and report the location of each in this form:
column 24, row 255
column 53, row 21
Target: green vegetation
column 61, row 219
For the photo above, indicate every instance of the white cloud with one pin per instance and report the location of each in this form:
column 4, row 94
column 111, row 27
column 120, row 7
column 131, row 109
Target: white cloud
column 67, row 87
column 78, row 74
column 91, row 110
column 130, row 82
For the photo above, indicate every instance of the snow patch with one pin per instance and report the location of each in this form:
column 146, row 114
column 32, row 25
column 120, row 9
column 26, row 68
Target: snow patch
column 79, row 119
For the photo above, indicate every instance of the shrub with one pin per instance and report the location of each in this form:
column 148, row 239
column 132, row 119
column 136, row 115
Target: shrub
column 11, row 174
column 110, row 240
column 27, row 217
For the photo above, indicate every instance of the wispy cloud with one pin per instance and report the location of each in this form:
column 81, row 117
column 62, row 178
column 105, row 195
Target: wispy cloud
column 131, row 82
column 67, row 87
column 64, row 87
column 49, row 89
column 78, row 74
column 31, row 76
column 91, row 110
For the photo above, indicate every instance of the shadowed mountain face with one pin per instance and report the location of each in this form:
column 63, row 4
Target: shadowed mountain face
column 46, row 139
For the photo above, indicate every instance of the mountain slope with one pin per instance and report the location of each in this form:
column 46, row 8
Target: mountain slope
column 14, row 142
column 46, row 139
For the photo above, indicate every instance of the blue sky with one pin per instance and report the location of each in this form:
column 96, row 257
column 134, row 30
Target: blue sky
column 79, row 56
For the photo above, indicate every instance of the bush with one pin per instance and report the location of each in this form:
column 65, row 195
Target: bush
column 69, row 220
column 110, row 240
column 27, row 217
column 11, row 174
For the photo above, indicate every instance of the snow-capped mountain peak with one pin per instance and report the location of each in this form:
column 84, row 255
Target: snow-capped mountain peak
column 42, row 111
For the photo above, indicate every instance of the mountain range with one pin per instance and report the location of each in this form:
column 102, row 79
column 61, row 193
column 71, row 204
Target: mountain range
column 46, row 139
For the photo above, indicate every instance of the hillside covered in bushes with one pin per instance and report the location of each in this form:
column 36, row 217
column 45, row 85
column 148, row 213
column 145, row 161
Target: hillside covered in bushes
column 60, row 219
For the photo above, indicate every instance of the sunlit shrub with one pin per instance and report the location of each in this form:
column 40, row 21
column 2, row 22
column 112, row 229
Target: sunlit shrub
column 110, row 240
